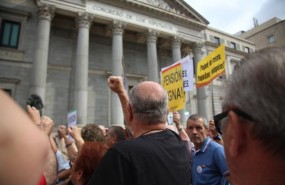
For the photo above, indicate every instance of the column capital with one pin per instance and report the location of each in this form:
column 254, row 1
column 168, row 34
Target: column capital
column 46, row 12
column 198, row 47
column 83, row 19
column 176, row 41
column 152, row 36
column 118, row 27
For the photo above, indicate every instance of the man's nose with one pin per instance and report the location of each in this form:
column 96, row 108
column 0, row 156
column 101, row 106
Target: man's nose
column 194, row 131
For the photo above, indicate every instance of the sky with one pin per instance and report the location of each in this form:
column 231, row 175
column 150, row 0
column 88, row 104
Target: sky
column 232, row 16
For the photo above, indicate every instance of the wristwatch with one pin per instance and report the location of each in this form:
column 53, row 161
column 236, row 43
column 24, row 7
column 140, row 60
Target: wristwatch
column 217, row 137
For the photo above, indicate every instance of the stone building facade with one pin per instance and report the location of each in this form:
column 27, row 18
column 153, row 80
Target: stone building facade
column 64, row 51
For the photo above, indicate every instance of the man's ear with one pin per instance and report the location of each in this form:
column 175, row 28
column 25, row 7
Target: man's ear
column 130, row 115
column 114, row 139
column 236, row 134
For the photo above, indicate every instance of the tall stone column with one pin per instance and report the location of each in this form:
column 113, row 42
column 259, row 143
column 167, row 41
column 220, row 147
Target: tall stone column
column 117, row 116
column 39, row 68
column 152, row 56
column 176, row 48
column 201, row 92
column 176, row 56
column 81, row 67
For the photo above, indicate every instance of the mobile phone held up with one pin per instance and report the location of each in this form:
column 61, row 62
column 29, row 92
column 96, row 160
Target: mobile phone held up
column 35, row 100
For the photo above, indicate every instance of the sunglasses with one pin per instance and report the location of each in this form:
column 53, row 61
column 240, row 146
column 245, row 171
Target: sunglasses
column 220, row 118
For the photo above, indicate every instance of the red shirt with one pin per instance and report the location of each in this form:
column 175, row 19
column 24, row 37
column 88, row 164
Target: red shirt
column 42, row 180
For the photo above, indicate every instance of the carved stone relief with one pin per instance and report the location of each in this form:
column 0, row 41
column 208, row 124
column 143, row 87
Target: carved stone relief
column 161, row 4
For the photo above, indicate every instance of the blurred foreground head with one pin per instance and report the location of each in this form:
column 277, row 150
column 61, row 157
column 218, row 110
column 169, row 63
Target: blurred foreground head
column 20, row 135
column 254, row 119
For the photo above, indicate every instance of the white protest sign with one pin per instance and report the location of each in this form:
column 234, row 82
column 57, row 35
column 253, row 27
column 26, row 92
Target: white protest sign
column 71, row 121
column 72, row 118
column 187, row 73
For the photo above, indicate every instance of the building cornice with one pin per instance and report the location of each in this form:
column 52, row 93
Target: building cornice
column 208, row 43
column 210, row 29
column 24, row 13
column 189, row 18
column 61, row 5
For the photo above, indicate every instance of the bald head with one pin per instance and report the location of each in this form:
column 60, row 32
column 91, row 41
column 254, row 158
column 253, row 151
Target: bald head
column 149, row 102
column 150, row 90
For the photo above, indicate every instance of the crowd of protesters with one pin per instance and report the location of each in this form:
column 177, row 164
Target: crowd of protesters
column 242, row 145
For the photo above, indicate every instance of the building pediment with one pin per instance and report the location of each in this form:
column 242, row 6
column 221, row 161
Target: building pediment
column 176, row 8
column 175, row 11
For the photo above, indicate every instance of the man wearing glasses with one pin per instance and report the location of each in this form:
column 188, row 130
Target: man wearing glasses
column 208, row 157
column 253, row 121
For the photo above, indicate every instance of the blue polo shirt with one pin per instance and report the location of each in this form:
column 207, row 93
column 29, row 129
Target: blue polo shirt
column 209, row 164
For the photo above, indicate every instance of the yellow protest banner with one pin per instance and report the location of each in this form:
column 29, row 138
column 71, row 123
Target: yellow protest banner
column 211, row 66
column 172, row 81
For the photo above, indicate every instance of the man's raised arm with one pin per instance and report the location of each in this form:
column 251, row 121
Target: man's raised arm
column 116, row 85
